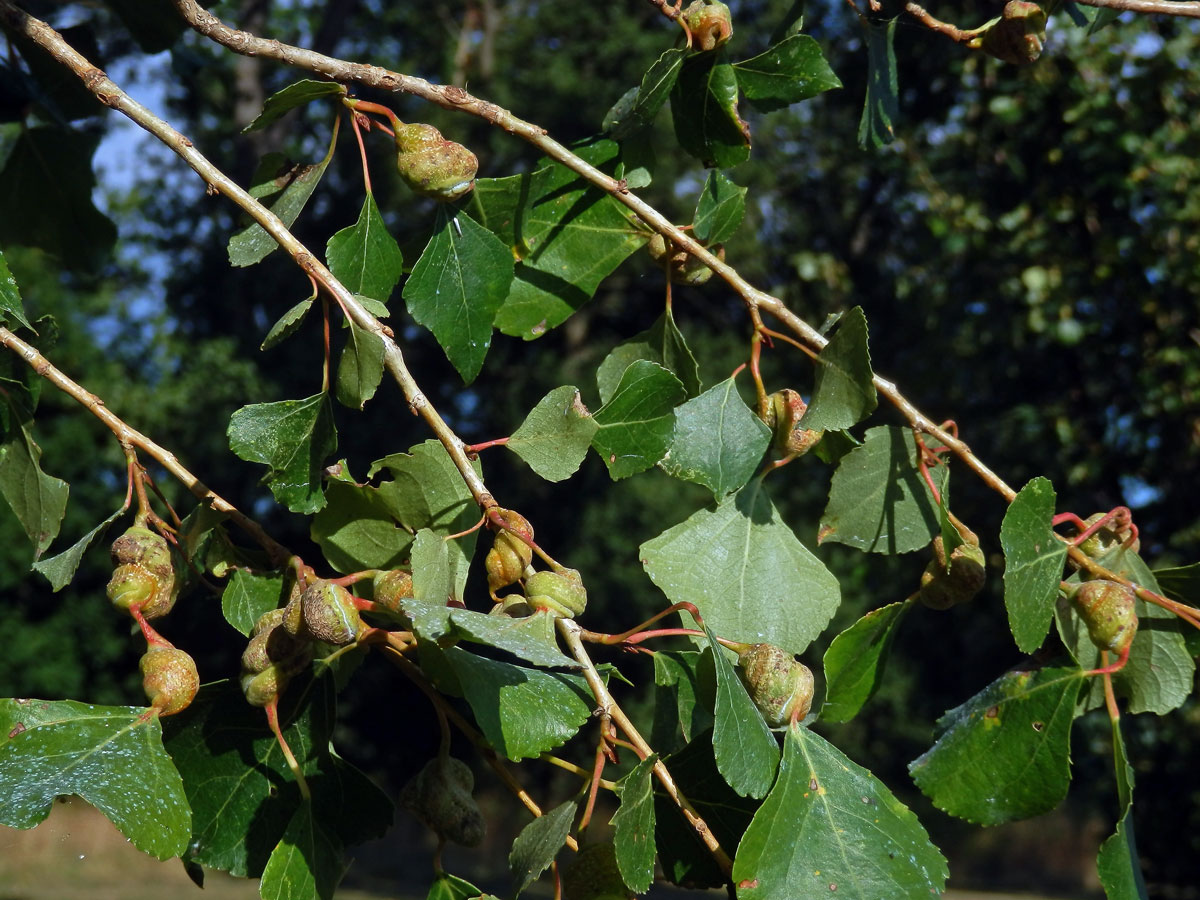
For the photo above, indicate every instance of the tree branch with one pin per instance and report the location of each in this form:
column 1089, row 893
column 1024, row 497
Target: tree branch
column 454, row 98
column 131, row 437
column 110, row 94
column 1189, row 9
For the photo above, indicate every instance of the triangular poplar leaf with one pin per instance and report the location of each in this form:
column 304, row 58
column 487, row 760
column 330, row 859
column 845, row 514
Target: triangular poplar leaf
column 360, row 369
column 720, row 209
column 661, row 343
column 458, row 285
column 705, row 112
column 297, row 94
column 306, row 863
column 555, row 436
column 293, row 438
column 636, row 425
column 844, row 394
column 829, row 828
column 746, row 752
column 51, row 749
column 1005, row 754
column 1033, row 563
column 60, row 568
column 749, row 575
column 790, row 71
column 854, row 661
column 538, row 844
column 364, row 256
column 878, row 501
column 718, row 441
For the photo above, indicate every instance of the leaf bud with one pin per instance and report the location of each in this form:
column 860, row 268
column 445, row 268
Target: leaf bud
column 1016, row 36
column 169, row 678
column 780, row 685
column 709, row 22
column 785, row 409
column 948, row 582
column 330, row 614
column 559, row 593
column 390, row 587
column 1107, row 609
column 594, row 874
column 440, row 796
column 682, row 267
column 433, row 166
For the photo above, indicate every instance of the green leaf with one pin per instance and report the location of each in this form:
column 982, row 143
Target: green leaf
column 633, row 826
column 450, row 887
column 844, row 394
column 439, row 567
column 358, row 529
column 288, row 323
column 11, row 309
column 1006, row 753
column 726, row 814
column 854, row 661
column 284, row 188
column 567, row 237
column 751, row 579
column 791, row 71
column 247, row 596
column 104, row 754
column 882, row 106
column 878, row 501
column 829, row 828
column 60, row 568
column 718, row 441
column 38, row 500
column 361, row 367
column 1181, row 583
column 46, row 189
column 290, row 97
column 1118, row 864
column 636, row 425
column 427, row 490
column 661, row 343
column 364, row 256
column 522, row 712
column 650, row 96
column 1033, row 563
column 243, row 795
column 720, row 209
column 555, row 436
column 684, row 696
column 704, row 111
column 306, row 863
column 538, row 844
column 743, row 745
column 458, row 285
column 530, row 638
column 1160, row 673
column 293, row 438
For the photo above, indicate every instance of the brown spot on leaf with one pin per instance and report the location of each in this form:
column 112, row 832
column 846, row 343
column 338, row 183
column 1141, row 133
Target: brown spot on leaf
column 993, row 712
column 812, row 785
column 747, row 884
column 16, row 729
column 1038, row 726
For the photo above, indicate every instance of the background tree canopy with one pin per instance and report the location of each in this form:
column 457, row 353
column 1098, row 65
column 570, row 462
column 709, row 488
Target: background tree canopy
column 1026, row 252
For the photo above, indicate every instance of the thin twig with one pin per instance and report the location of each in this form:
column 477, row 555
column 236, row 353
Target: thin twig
column 570, row 631
column 953, row 32
column 131, row 437
column 1189, row 10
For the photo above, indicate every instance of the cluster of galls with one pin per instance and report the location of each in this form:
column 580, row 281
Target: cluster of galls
column 143, row 584
column 558, row 592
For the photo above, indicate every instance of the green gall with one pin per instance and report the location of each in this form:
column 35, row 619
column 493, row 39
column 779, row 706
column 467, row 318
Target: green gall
column 390, row 587
column 1107, row 609
column 262, row 687
column 948, row 582
column 510, row 553
column 780, row 685
column 594, row 874
column 1016, row 36
column 440, row 797
column 433, row 166
column 785, row 409
column 330, row 614
column 169, row 679
column 709, row 22
column 560, row 593
column 681, row 266
column 133, row 586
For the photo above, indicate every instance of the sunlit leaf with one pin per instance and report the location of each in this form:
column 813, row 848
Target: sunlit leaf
column 555, row 436
column 746, row 752
column 297, row 94
column 1033, row 558
column 790, row 71
column 854, row 661
column 638, row 421
column 844, row 394
column 705, row 113
column 364, row 256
